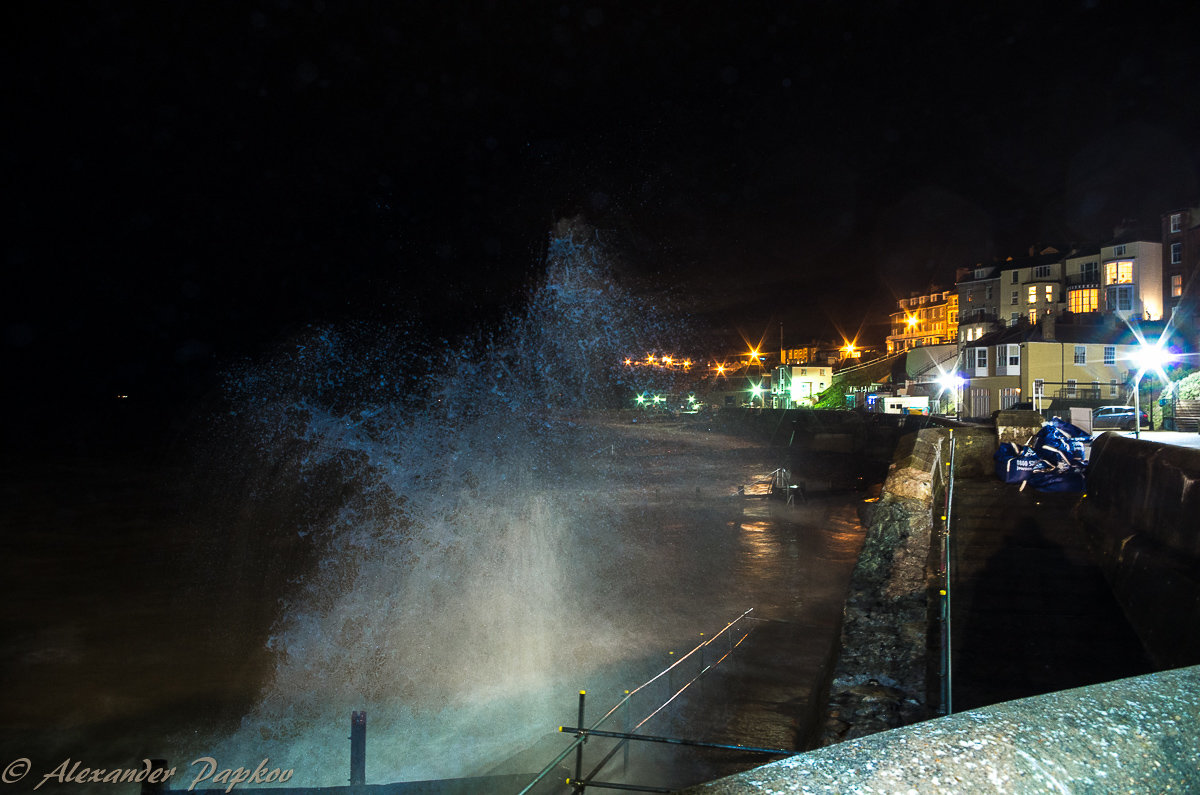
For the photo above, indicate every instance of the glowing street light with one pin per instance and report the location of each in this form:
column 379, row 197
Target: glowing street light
column 1147, row 357
column 952, row 383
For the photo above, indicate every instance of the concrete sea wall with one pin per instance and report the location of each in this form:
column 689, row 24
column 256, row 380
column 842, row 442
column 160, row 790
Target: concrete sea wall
column 1132, row 735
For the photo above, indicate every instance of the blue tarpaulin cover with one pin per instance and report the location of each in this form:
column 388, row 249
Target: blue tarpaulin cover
column 1053, row 460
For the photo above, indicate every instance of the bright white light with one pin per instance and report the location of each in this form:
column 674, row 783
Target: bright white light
column 950, row 381
column 1151, row 358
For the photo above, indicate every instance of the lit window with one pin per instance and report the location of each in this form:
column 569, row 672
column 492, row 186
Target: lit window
column 1049, row 293
column 1031, row 294
column 1032, row 316
column 1086, row 300
column 1118, row 272
column 1080, row 354
column 1176, row 285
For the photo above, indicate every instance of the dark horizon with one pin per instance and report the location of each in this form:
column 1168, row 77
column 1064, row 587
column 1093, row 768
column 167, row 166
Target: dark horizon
column 195, row 186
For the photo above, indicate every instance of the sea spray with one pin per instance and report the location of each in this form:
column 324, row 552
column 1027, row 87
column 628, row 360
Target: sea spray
column 457, row 553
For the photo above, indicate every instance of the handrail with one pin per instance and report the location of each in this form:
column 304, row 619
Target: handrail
column 581, row 736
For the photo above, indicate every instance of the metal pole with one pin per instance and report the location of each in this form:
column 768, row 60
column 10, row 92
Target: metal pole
column 677, row 741
column 579, row 748
column 628, row 728
column 358, row 748
column 158, row 785
column 1137, row 406
column 627, row 787
column 949, row 681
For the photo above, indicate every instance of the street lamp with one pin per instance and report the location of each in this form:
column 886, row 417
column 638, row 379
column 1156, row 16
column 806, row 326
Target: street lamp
column 1146, row 357
column 756, row 391
column 952, row 382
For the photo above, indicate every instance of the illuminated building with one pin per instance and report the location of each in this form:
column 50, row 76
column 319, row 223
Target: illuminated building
column 1181, row 265
column 924, row 319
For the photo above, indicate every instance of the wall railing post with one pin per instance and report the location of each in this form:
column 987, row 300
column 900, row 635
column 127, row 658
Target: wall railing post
column 358, row 748
column 578, row 785
column 628, row 729
column 157, row 786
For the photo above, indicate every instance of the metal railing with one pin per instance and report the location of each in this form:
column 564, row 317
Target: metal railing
column 687, row 670
column 661, row 690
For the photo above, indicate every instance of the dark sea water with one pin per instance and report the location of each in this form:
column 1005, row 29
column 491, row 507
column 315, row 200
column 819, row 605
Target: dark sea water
column 132, row 628
column 454, row 537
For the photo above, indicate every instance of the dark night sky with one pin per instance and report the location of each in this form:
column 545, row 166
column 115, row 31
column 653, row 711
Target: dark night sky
column 189, row 181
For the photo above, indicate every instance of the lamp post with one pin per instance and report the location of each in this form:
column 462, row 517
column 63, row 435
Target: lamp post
column 1146, row 357
column 953, row 382
column 1137, row 405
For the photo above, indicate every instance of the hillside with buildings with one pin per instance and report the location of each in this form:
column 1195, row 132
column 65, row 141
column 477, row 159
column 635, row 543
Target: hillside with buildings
column 1056, row 328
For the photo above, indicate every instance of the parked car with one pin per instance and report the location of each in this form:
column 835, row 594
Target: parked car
column 1116, row 417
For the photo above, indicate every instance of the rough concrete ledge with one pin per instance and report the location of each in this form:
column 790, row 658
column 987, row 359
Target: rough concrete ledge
column 1131, row 735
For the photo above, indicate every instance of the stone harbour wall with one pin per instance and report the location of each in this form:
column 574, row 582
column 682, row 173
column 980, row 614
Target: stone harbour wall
column 885, row 672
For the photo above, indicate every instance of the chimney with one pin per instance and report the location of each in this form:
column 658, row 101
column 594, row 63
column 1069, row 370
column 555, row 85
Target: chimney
column 1048, row 328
